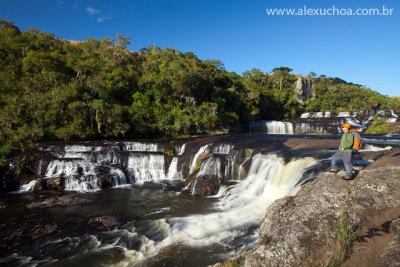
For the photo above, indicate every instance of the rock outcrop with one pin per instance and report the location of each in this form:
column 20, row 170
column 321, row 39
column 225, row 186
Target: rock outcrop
column 301, row 230
column 304, row 89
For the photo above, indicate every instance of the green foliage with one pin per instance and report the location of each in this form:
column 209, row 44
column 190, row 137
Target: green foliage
column 378, row 126
column 54, row 89
column 5, row 151
column 344, row 242
column 197, row 166
column 169, row 152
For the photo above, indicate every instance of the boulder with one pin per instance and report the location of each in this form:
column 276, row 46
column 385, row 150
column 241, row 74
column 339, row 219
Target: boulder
column 104, row 222
column 301, row 230
column 205, row 185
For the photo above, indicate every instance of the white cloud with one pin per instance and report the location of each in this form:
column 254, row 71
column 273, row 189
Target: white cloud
column 101, row 19
column 91, row 11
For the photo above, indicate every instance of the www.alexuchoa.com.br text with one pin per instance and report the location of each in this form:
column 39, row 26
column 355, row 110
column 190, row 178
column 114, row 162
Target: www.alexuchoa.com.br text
column 331, row 11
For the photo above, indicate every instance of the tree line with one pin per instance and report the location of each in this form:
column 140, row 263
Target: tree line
column 53, row 89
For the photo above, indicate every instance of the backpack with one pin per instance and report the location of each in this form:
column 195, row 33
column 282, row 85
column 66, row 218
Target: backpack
column 358, row 142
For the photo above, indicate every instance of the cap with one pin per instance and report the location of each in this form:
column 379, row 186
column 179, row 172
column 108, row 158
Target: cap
column 345, row 125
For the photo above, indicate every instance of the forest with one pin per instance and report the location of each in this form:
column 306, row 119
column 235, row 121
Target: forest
column 53, row 89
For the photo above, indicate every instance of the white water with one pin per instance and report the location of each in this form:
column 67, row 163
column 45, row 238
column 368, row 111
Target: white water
column 173, row 172
column 244, row 203
column 26, row 187
column 232, row 168
column 344, row 114
column 147, row 167
column 80, row 175
column 306, row 128
column 222, row 149
column 239, row 206
column 275, row 127
column 374, row 148
column 319, row 114
column 196, row 156
column 119, row 178
column 211, row 166
column 137, row 146
column 180, row 149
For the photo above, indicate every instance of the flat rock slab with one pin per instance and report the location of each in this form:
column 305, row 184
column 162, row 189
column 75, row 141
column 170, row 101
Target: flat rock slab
column 58, row 201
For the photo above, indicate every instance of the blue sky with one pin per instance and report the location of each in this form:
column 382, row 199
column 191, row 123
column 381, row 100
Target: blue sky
column 240, row 33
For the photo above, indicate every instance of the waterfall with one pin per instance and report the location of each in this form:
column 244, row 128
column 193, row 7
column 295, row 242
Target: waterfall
column 180, row 149
column 269, row 178
column 306, row 128
column 69, row 168
column 232, row 167
column 27, row 187
column 119, row 177
column 242, row 204
column 271, row 127
column 146, row 167
column 80, row 175
column 78, row 151
column 196, row 156
column 222, row 149
column 211, row 166
column 137, row 146
column 173, row 172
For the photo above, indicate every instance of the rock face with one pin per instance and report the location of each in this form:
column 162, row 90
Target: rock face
column 301, row 230
column 304, row 89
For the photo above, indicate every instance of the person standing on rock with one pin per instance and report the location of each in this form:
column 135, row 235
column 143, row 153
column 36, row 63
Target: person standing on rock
column 344, row 153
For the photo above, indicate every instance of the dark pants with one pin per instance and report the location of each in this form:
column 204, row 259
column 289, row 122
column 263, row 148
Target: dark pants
column 346, row 158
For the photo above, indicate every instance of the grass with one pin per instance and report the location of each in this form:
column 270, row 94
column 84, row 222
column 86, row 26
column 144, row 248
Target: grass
column 344, row 242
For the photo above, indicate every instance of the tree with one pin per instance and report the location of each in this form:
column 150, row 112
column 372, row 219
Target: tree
column 312, row 74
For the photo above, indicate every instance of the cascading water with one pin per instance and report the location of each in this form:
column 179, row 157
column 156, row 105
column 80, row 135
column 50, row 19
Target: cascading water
column 173, row 173
column 27, row 187
column 271, row 127
column 147, row 167
column 80, row 175
column 227, row 222
column 306, row 128
column 222, row 149
column 180, row 149
column 137, row 146
column 119, row 177
column 239, row 207
column 196, row 156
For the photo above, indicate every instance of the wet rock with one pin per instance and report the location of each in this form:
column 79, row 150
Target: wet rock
column 301, row 230
column 56, row 183
column 103, row 172
column 104, row 222
column 42, row 230
column 204, row 156
column 65, row 200
column 205, row 185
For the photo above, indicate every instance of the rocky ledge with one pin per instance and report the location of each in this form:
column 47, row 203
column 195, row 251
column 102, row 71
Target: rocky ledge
column 302, row 230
